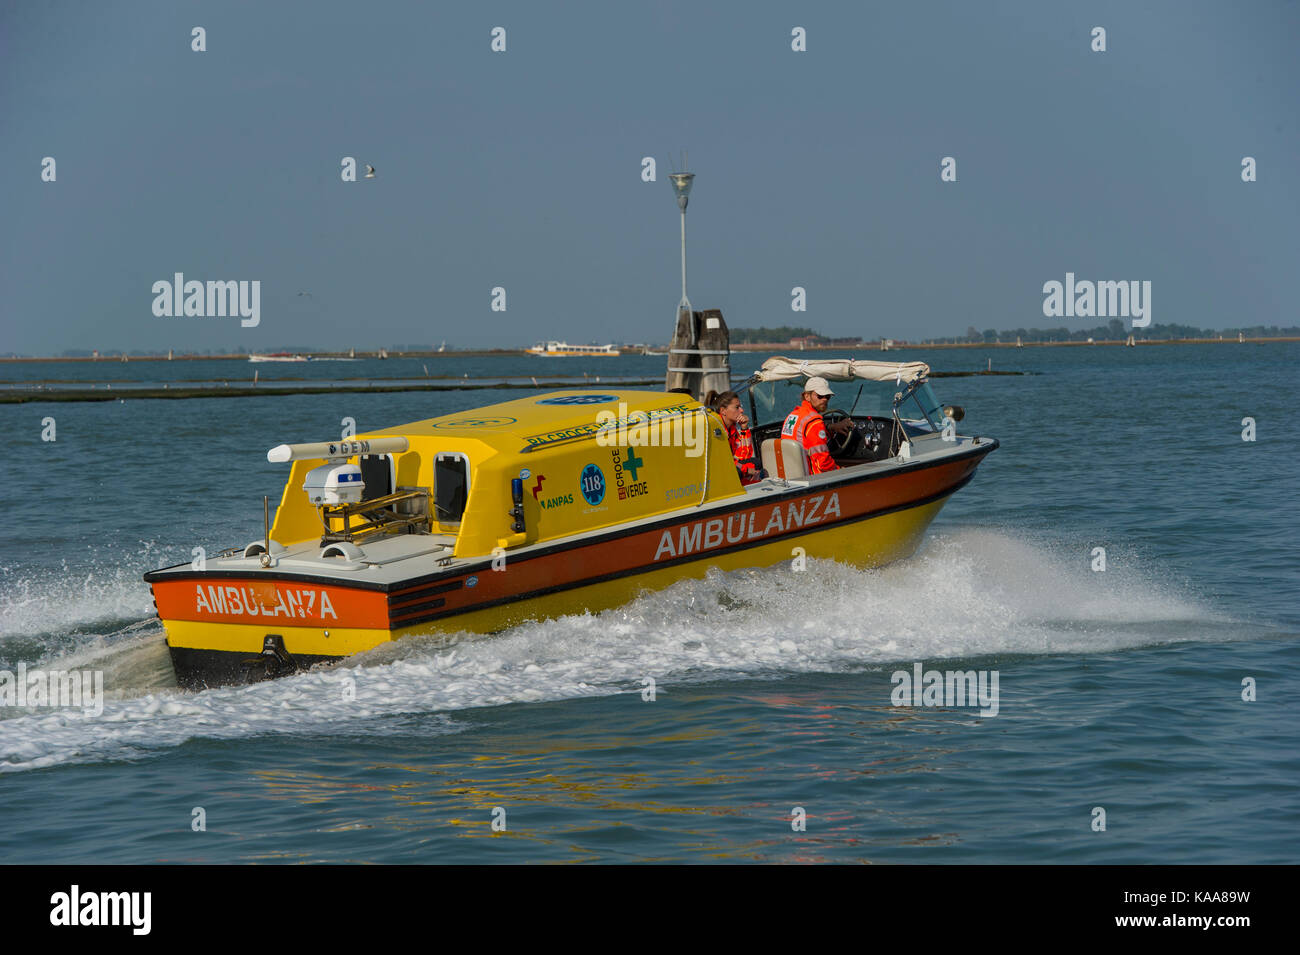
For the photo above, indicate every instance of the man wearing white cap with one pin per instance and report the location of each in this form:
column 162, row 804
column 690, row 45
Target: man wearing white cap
column 805, row 425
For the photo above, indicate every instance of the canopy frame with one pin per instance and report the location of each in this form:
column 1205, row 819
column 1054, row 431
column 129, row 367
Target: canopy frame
column 780, row 368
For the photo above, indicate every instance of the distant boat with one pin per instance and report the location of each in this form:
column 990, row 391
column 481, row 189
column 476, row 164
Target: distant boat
column 443, row 346
column 382, row 353
column 564, row 350
column 279, row 356
column 1131, row 343
column 352, row 353
column 1241, row 338
column 651, row 351
column 1018, row 345
column 169, row 354
column 886, row 344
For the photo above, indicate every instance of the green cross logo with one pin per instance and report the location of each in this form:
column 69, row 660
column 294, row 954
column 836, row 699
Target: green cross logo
column 633, row 463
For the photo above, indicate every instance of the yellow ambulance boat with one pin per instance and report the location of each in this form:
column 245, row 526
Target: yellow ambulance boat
column 554, row 504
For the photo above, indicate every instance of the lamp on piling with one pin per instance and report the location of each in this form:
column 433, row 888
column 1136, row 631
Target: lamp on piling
column 682, row 182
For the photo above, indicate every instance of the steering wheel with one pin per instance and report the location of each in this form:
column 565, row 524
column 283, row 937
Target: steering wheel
column 839, row 443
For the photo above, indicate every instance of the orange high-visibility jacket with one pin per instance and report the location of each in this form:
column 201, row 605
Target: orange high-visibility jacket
column 742, row 449
column 805, row 425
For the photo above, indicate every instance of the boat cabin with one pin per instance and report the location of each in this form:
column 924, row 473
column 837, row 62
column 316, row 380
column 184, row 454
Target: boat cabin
column 521, row 472
column 549, row 467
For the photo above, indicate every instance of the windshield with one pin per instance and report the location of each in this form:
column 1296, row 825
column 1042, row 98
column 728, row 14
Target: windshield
column 773, row 400
column 922, row 406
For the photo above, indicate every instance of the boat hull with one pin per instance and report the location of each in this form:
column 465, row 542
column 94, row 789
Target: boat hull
column 217, row 625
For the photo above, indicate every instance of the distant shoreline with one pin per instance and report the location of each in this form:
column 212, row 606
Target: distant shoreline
column 903, row 346
column 773, row 347
column 243, row 390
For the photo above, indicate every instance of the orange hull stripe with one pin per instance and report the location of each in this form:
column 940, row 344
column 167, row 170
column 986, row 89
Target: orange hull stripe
column 639, row 550
column 271, row 603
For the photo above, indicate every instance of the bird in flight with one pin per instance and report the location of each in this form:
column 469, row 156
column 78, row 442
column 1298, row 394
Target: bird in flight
column 370, row 171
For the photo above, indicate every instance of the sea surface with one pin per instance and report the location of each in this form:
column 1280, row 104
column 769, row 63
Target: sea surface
column 1120, row 690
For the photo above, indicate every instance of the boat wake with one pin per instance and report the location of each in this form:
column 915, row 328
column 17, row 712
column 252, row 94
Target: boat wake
column 66, row 613
column 968, row 593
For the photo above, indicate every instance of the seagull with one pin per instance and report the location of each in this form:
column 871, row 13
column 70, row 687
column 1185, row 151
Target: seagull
column 370, row 171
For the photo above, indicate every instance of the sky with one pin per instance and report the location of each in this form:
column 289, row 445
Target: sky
column 522, row 169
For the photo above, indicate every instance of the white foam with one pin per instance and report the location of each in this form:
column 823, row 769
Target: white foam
column 969, row 593
column 72, row 600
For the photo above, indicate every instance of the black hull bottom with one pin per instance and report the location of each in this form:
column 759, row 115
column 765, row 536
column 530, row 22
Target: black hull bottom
column 205, row 669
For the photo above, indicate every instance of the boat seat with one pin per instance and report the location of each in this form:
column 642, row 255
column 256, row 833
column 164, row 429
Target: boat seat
column 783, row 458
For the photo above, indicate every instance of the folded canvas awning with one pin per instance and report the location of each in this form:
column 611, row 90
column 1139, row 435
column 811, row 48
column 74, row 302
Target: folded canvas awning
column 781, row 369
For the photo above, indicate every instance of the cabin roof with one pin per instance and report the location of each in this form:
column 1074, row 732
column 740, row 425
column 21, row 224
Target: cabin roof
column 538, row 420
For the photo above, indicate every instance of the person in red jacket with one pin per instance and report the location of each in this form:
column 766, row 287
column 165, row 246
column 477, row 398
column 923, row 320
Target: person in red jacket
column 727, row 407
column 804, row 424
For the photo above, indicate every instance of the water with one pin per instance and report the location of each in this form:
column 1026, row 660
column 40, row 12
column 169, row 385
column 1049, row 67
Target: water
column 1120, row 689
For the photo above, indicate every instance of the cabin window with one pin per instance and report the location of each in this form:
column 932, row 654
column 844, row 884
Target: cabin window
column 450, row 486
